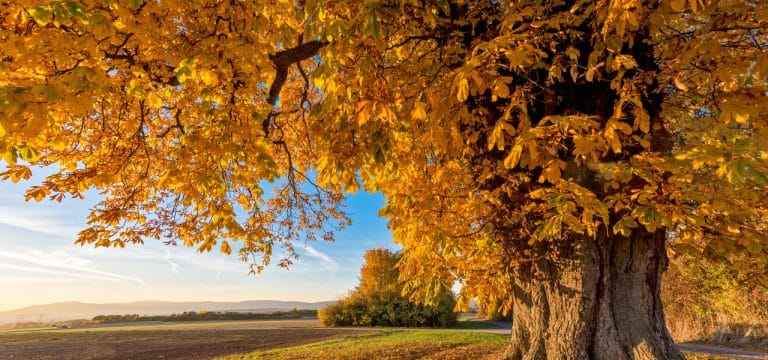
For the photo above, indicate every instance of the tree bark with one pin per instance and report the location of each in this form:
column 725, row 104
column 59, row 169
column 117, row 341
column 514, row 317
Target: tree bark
column 597, row 299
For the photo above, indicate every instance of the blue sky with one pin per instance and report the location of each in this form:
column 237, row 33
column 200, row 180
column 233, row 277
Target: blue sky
column 39, row 262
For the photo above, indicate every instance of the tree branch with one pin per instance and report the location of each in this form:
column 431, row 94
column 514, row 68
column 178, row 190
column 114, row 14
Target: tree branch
column 283, row 60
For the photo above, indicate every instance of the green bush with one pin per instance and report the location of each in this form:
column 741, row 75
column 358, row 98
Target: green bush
column 388, row 309
column 378, row 301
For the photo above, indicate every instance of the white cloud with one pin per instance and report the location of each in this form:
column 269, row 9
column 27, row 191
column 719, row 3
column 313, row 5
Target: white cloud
column 331, row 265
column 54, row 266
column 220, row 268
column 38, row 221
column 30, row 280
column 63, row 255
column 174, row 266
column 71, row 275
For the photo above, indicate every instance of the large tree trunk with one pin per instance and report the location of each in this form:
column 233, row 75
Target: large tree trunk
column 598, row 299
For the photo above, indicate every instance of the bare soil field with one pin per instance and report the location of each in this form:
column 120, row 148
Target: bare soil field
column 161, row 341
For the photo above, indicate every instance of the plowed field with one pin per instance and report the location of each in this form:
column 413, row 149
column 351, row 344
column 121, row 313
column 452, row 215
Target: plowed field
column 164, row 342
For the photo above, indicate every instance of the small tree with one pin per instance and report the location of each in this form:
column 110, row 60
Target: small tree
column 378, row 300
column 379, row 272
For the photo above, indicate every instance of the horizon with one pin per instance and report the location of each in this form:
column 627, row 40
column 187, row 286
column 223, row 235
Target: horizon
column 161, row 301
column 42, row 265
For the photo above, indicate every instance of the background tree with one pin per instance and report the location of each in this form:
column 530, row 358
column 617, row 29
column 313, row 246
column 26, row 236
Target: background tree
column 379, row 300
column 379, row 272
column 708, row 301
column 547, row 155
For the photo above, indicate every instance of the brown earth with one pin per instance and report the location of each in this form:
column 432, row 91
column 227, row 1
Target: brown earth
column 156, row 344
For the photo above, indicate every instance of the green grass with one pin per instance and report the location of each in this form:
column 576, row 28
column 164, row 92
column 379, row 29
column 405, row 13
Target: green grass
column 469, row 324
column 397, row 344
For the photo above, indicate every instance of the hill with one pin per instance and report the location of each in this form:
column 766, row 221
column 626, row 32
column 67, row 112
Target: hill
column 79, row 310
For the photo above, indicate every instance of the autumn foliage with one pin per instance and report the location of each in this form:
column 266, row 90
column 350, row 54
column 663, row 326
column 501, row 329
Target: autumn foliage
column 708, row 301
column 378, row 299
column 546, row 154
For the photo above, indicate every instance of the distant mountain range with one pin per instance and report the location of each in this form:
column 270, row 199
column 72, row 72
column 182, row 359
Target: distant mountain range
column 78, row 310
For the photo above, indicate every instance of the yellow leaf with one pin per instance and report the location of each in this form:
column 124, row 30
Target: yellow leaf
column 624, row 61
column 185, row 70
column 551, row 173
column 694, row 5
column 208, row 77
column 225, row 248
column 463, row 91
column 330, row 85
column 16, row 173
column 614, row 142
column 137, row 92
column 514, row 156
column 501, row 89
column 681, row 85
column 496, row 139
column 154, row 101
column 352, row 185
column 386, row 114
column 572, row 53
column 364, row 109
column 722, row 170
column 677, row 5
column 243, row 201
column 621, row 126
column 419, row 112
column 582, row 145
column 37, row 193
column 740, row 116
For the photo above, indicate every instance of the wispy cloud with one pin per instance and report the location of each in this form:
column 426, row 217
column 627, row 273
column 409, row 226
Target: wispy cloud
column 54, row 266
column 29, row 280
column 331, row 265
column 32, row 269
column 220, row 268
column 38, row 222
column 59, row 255
column 174, row 266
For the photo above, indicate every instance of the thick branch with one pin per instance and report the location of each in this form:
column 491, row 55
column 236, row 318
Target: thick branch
column 282, row 61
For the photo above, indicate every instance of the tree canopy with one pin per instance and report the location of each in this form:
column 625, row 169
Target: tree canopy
column 379, row 272
column 493, row 128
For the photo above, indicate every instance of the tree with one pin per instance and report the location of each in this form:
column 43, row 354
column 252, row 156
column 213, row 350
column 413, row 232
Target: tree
column 710, row 301
column 546, row 154
column 379, row 272
column 379, row 300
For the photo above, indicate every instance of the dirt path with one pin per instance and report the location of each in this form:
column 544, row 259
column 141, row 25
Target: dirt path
column 731, row 353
